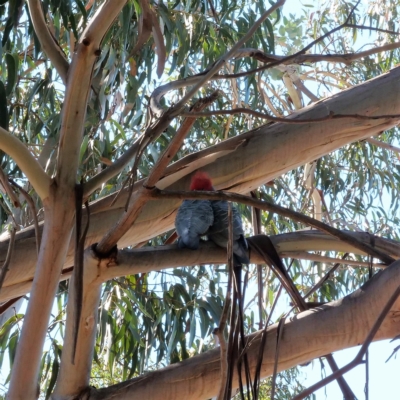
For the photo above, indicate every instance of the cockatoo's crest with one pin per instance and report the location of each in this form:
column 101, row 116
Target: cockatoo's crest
column 201, row 181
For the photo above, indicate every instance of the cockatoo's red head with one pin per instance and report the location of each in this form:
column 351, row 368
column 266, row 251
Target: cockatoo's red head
column 201, row 181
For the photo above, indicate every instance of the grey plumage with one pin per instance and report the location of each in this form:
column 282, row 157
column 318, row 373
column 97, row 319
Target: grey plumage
column 196, row 218
column 219, row 231
column 192, row 221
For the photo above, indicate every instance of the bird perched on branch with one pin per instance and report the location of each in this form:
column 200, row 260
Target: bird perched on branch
column 197, row 218
column 194, row 217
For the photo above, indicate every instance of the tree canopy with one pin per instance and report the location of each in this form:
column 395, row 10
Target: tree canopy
column 106, row 111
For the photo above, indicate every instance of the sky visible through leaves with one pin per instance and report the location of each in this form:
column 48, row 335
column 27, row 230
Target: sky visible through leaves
column 383, row 376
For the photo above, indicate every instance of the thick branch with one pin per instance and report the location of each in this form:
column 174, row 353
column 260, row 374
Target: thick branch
column 25, row 160
column 79, row 80
column 74, row 375
column 142, row 196
column 334, row 326
column 361, row 353
column 59, row 207
column 159, row 258
column 240, row 164
column 56, row 237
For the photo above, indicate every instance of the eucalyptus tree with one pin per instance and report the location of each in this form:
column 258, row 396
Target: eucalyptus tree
column 106, row 111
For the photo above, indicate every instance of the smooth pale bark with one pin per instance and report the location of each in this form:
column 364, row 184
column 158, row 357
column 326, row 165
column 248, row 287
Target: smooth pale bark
column 240, row 164
column 335, row 326
column 74, row 373
column 158, row 258
column 59, row 206
column 56, row 237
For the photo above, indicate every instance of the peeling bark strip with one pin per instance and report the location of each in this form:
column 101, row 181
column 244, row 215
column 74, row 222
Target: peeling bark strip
column 80, row 238
column 74, row 377
column 239, row 164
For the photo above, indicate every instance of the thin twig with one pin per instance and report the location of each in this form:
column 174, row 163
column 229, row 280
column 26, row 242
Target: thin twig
column 143, row 194
column 206, row 76
column 214, row 13
column 371, row 28
column 324, row 278
column 344, row 386
column 298, row 58
column 346, row 58
column 318, row 258
column 384, row 145
column 302, row 51
column 219, row 332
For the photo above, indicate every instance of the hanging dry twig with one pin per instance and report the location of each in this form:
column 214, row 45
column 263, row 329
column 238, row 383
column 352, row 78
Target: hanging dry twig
column 256, row 221
column 263, row 342
column 226, row 357
column 265, row 247
column 80, row 238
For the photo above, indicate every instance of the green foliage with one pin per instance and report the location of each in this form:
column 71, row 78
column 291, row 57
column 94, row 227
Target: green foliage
column 151, row 320
column 288, row 385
